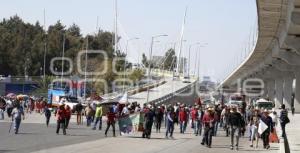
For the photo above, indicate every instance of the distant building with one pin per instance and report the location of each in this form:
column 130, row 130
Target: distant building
column 17, row 85
column 206, row 84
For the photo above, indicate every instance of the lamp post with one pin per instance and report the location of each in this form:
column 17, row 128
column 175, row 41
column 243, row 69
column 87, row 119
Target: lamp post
column 150, row 58
column 126, row 51
column 189, row 64
column 203, row 45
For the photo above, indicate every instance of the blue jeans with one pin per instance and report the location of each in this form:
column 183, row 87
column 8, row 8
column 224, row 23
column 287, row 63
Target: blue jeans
column 216, row 128
column 17, row 123
column 88, row 120
column 98, row 119
column 182, row 127
column 170, row 128
column 197, row 127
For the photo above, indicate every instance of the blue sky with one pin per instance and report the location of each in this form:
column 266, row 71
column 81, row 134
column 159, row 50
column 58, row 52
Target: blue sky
column 224, row 24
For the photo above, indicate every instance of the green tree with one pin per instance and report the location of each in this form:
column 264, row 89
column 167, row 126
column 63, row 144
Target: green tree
column 136, row 75
column 144, row 60
column 170, row 59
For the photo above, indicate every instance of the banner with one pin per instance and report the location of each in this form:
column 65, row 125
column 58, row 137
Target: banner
column 138, row 121
column 262, row 127
column 132, row 123
column 125, row 125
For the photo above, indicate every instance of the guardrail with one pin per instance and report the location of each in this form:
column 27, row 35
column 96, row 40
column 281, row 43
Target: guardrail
column 167, row 97
column 134, row 90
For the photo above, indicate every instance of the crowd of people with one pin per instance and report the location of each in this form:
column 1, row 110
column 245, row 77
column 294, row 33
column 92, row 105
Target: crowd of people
column 237, row 121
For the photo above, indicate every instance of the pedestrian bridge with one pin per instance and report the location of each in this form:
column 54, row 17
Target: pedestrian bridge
column 276, row 56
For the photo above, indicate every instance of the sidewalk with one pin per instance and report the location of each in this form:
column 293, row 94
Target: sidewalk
column 293, row 133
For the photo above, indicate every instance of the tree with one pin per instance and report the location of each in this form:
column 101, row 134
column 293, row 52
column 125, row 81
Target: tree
column 22, row 47
column 136, row 75
column 170, row 59
column 144, row 60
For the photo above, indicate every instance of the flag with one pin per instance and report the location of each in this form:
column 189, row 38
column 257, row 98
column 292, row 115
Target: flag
column 125, row 125
column 262, row 127
column 124, row 99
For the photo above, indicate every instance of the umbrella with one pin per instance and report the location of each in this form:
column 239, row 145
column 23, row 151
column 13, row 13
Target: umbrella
column 22, row 97
column 11, row 95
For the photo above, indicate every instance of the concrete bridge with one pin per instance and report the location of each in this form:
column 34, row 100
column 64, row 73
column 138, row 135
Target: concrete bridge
column 276, row 57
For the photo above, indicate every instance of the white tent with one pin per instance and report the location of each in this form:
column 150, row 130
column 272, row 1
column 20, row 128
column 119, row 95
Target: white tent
column 124, row 99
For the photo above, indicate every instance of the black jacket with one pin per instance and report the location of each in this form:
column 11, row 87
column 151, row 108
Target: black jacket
column 236, row 119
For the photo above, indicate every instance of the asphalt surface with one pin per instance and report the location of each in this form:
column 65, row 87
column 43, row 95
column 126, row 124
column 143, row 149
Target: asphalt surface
column 34, row 137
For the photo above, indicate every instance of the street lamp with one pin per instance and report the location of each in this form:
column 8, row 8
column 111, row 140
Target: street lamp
column 150, row 58
column 126, row 49
column 202, row 45
column 189, row 68
column 181, row 62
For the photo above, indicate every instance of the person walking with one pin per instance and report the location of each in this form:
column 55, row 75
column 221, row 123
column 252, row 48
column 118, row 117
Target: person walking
column 88, row 112
column 68, row 115
column 218, row 111
column 194, row 118
column 265, row 135
column 2, row 108
column 236, row 123
column 284, row 119
column 199, row 120
column 182, row 119
column 159, row 115
column 254, row 123
column 93, row 106
column 17, row 114
column 78, row 108
column 98, row 116
column 170, row 118
column 224, row 117
column 274, row 117
column 47, row 115
column 149, row 118
column 111, row 120
column 61, row 119
column 208, row 121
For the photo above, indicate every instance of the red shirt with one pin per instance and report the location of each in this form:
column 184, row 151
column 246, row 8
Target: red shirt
column 207, row 118
column 61, row 114
column 68, row 113
column 111, row 117
column 182, row 116
column 194, row 114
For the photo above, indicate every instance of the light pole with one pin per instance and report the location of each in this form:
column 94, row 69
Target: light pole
column 62, row 61
column 126, row 51
column 150, row 58
column 189, row 66
column 181, row 62
column 45, row 50
column 203, row 45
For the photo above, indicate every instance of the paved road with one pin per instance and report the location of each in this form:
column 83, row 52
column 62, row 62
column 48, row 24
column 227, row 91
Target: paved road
column 182, row 143
column 35, row 137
